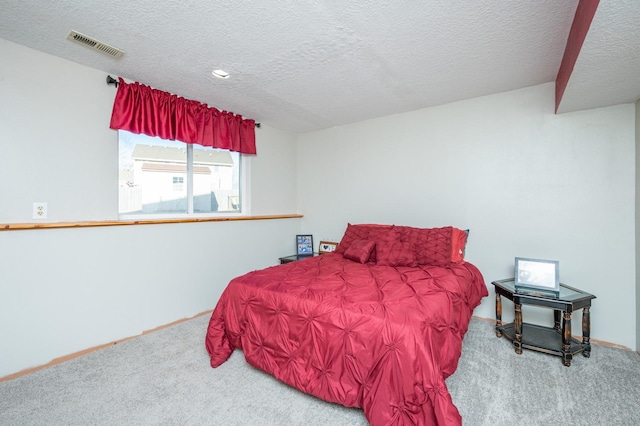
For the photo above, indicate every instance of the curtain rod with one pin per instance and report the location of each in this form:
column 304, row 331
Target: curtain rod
column 111, row 80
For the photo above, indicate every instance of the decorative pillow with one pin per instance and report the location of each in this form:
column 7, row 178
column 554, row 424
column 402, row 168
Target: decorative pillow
column 380, row 234
column 353, row 232
column 458, row 244
column 359, row 232
column 359, row 250
column 432, row 245
column 392, row 251
column 419, row 246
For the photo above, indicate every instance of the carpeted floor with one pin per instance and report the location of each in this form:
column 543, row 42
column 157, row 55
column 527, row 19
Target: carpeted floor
column 164, row 378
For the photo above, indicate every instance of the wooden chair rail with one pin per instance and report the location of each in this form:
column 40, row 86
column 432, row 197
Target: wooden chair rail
column 53, row 225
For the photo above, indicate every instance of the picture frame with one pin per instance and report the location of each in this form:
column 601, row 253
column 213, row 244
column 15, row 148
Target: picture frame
column 537, row 274
column 304, row 245
column 327, row 247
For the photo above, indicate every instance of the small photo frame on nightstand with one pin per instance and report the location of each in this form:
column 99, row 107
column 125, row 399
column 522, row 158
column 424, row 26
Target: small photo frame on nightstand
column 304, row 245
column 327, row 247
column 537, row 274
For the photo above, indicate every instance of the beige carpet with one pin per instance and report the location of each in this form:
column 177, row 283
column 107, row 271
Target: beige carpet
column 164, row 378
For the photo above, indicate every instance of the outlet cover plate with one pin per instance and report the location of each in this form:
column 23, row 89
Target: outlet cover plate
column 39, row 210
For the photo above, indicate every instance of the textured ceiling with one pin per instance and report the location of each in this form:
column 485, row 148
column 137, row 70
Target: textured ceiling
column 607, row 71
column 311, row 64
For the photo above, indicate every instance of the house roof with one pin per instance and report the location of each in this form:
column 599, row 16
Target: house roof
column 314, row 64
column 178, row 155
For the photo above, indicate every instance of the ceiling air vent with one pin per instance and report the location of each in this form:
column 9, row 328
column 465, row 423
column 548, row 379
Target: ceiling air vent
column 94, row 44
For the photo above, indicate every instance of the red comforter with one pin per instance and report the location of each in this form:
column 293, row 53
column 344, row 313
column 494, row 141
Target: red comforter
column 377, row 337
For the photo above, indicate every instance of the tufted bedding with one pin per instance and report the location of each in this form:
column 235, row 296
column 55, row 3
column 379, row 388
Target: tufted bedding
column 382, row 338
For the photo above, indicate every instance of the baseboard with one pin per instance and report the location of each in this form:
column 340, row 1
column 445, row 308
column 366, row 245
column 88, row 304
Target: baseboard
column 95, row 348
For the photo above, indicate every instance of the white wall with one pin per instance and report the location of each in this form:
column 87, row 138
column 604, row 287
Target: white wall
column 65, row 290
column 525, row 181
column 637, row 105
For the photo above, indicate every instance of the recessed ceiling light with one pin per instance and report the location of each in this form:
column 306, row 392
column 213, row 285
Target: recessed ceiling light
column 220, row 73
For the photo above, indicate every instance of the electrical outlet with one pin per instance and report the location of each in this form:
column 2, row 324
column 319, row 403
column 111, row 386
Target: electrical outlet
column 39, row 210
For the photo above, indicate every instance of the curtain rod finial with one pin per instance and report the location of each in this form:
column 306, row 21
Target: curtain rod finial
column 111, row 80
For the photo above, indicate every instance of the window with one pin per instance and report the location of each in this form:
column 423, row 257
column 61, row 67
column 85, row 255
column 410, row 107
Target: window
column 168, row 178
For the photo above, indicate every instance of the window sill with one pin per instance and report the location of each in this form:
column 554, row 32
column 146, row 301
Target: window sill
column 26, row 226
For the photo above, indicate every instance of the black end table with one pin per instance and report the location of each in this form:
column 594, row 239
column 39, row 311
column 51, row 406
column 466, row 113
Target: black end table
column 295, row 257
column 556, row 340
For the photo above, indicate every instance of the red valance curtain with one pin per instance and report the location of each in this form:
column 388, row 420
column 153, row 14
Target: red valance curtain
column 141, row 109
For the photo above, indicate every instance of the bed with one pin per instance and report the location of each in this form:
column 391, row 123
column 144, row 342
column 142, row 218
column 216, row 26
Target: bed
column 377, row 324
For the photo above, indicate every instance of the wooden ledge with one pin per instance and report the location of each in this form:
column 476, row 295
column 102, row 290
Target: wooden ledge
column 27, row 226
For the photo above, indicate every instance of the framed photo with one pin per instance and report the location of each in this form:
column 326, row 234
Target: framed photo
column 327, row 247
column 304, row 244
column 537, row 274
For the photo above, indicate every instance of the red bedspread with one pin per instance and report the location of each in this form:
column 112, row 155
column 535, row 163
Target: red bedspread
column 377, row 337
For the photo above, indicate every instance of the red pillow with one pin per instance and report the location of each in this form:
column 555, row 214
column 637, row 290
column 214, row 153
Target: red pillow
column 396, row 253
column 432, row 245
column 379, row 234
column 458, row 243
column 420, row 246
column 359, row 232
column 359, row 250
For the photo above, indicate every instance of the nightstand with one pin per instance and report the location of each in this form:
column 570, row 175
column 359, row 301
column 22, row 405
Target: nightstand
column 554, row 341
column 294, row 257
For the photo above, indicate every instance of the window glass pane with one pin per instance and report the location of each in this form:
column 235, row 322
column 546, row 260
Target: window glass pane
column 154, row 174
column 216, row 183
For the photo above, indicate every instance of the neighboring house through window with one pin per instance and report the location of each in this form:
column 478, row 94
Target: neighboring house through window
column 178, row 183
column 169, row 178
